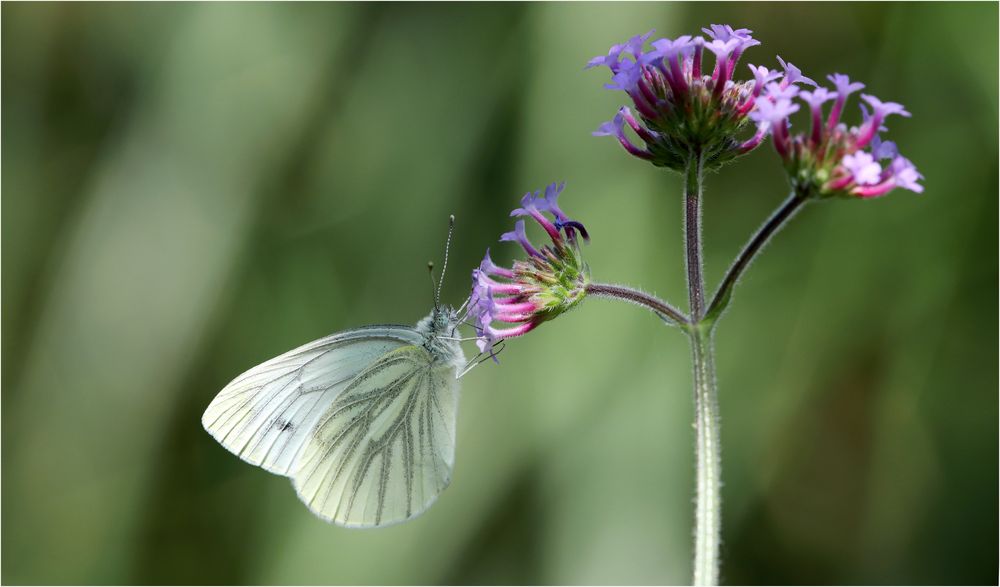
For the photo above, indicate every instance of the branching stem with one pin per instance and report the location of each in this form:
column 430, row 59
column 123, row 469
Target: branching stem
column 771, row 226
column 699, row 325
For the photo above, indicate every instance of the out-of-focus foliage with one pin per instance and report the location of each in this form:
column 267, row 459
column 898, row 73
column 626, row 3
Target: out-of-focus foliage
column 190, row 189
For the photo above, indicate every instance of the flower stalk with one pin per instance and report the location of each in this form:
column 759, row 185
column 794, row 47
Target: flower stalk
column 665, row 311
column 708, row 501
column 708, row 510
column 692, row 234
column 774, row 223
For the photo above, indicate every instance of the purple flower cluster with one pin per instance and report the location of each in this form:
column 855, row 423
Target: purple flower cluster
column 833, row 159
column 551, row 280
column 682, row 108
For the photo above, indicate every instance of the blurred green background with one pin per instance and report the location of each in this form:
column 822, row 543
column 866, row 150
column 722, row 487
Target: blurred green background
column 190, row 189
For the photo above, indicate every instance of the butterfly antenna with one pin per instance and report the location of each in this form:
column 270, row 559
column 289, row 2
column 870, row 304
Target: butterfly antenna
column 444, row 268
column 434, row 286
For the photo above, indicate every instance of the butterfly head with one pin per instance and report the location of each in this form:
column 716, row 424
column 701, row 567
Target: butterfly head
column 439, row 331
column 443, row 321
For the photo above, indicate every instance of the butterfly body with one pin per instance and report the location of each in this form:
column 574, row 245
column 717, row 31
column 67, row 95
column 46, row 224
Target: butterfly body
column 362, row 421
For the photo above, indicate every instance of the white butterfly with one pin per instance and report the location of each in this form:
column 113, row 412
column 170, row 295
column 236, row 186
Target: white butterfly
column 363, row 421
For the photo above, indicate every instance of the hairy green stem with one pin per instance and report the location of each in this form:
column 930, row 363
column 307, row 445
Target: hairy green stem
column 771, row 226
column 665, row 311
column 707, row 524
column 708, row 503
column 692, row 235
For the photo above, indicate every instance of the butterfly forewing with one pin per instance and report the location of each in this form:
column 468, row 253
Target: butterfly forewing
column 383, row 450
column 268, row 414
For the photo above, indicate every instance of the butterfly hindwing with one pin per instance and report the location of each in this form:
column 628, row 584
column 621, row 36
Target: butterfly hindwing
column 267, row 415
column 383, row 450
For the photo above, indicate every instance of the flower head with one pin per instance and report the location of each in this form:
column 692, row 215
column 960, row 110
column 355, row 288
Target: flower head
column 679, row 109
column 507, row 303
column 833, row 159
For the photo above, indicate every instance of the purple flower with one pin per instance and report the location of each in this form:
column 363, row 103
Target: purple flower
column 550, row 199
column 776, row 91
column 549, row 203
column 520, row 236
column 900, row 173
column 551, row 281
column 670, row 49
column 611, row 128
column 722, row 50
column 844, row 89
column 775, row 116
column 611, row 60
column 676, row 106
column 762, row 75
column 880, row 110
column 626, row 77
column 774, row 109
column 884, row 149
column 752, row 143
column 484, row 308
column 793, row 75
column 817, row 97
column 906, row 175
column 815, row 100
column 724, row 32
column 672, row 52
column 616, row 128
column 863, row 168
column 495, row 287
column 488, row 267
column 833, row 160
column 529, row 208
column 634, row 45
column 775, row 112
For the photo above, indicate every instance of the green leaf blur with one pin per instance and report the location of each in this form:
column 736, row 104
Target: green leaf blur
column 191, row 189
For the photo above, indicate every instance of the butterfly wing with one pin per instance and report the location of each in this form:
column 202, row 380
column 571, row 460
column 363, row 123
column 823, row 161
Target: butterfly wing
column 267, row 415
column 384, row 450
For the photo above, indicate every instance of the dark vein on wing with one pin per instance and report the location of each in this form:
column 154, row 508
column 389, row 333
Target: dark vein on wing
column 375, row 448
column 365, row 417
